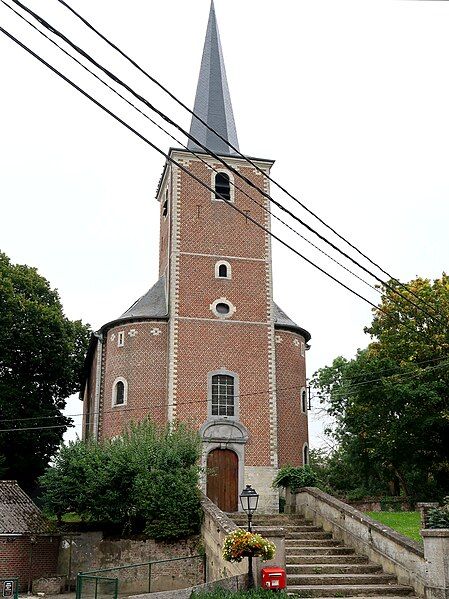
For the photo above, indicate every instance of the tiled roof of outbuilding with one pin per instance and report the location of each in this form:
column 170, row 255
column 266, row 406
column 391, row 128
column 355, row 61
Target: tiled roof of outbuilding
column 18, row 514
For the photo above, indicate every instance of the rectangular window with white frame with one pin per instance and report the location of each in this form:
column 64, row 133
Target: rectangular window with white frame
column 121, row 339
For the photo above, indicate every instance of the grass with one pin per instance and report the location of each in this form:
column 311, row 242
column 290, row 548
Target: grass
column 406, row 523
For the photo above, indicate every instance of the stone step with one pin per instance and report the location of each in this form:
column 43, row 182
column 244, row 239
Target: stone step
column 312, row 551
column 312, row 542
column 312, row 534
column 326, row 559
column 320, row 568
column 352, row 590
column 293, row 518
column 340, row 579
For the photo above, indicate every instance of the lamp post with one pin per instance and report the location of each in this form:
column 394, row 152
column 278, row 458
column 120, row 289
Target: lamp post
column 249, row 500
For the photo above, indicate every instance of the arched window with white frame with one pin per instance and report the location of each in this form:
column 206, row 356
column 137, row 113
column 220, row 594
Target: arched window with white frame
column 223, row 270
column 223, row 390
column 305, row 455
column 303, row 400
column 223, row 185
column 119, row 392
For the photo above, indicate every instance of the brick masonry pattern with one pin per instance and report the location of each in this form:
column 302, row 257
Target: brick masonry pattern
column 167, row 373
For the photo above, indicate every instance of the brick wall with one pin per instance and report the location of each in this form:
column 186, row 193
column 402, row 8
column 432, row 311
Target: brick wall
column 290, row 380
column 142, row 362
column 204, row 232
column 28, row 560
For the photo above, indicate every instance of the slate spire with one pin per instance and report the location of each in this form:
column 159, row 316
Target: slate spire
column 213, row 101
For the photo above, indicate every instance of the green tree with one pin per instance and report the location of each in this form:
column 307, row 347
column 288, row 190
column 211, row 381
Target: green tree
column 145, row 481
column 41, row 356
column 390, row 404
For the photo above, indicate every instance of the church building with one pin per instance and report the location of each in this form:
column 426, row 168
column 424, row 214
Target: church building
column 207, row 345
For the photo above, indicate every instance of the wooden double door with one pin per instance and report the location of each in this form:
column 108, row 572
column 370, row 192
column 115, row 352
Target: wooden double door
column 222, row 479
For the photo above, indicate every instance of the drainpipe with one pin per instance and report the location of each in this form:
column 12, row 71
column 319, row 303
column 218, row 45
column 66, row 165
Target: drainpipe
column 30, row 572
column 98, row 385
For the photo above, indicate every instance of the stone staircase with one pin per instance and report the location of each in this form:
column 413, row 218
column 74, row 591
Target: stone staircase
column 319, row 566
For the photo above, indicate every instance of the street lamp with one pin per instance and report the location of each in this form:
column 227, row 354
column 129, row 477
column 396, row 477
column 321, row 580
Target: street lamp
column 249, row 500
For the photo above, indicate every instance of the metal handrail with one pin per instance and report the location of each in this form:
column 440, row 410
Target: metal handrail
column 157, row 561
column 93, row 574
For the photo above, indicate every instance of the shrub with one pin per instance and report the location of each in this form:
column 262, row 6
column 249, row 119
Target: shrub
column 294, row 478
column 145, row 481
column 439, row 517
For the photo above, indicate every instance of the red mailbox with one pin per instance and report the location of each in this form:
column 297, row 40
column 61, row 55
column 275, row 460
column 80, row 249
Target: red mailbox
column 274, row 578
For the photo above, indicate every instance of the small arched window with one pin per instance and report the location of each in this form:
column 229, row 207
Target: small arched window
column 165, row 209
column 223, row 270
column 222, row 187
column 305, row 455
column 304, row 401
column 119, row 392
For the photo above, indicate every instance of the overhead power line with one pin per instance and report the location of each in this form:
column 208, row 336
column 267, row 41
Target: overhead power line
column 246, row 158
column 198, row 156
column 55, row 31
column 397, row 377
column 189, row 173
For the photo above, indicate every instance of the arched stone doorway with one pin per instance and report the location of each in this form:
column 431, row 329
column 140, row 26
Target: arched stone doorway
column 222, row 479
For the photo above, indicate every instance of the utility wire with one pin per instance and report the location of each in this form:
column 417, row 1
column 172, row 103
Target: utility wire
column 246, row 158
column 393, row 378
column 184, row 169
column 397, row 375
column 336, row 394
column 162, row 405
column 200, row 158
column 55, row 31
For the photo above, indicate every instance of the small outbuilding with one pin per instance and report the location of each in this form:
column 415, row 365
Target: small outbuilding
column 28, row 546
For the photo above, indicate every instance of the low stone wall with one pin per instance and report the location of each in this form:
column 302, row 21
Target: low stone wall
column 89, row 551
column 216, row 525
column 380, row 504
column 394, row 552
column 234, row 583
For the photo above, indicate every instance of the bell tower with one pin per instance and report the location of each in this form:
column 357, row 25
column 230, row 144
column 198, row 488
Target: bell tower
column 221, row 374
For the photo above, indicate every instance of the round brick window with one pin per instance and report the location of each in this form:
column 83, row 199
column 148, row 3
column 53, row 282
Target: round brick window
column 222, row 308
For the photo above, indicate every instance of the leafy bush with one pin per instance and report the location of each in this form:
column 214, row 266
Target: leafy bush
column 146, row 481
column 439, row 517
column 295, row 477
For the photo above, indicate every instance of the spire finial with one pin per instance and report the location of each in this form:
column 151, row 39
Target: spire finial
column 213, row 101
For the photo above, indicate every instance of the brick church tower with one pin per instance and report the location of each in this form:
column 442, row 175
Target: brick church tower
column 206, row 344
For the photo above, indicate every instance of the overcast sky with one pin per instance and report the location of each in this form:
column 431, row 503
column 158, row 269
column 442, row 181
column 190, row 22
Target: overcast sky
column 350, row 98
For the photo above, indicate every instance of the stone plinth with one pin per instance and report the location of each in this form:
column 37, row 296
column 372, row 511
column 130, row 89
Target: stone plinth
column 436, row 553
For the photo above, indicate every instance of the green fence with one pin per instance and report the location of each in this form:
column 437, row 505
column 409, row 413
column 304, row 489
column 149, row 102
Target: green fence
column 96, row 587
column 135, row 579
column 9, row 587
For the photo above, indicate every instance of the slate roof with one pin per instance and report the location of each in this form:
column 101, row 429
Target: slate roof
column 153, row 304
column 282, row 321
column 18, row 514
column 213, row 100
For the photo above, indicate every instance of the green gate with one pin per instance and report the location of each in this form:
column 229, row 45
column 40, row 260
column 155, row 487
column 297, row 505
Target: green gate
column 96, row 587
column 9, row 587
